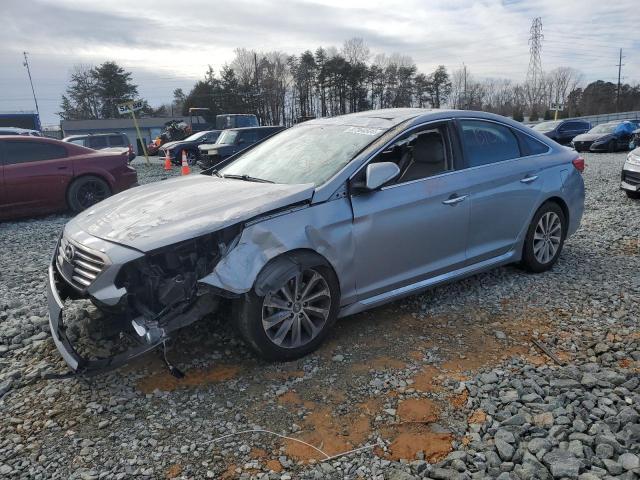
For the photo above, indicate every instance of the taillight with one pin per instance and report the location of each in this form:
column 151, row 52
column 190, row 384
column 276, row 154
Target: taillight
column 579, row 164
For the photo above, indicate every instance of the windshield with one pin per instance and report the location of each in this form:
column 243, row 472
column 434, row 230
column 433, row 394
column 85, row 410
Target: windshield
column 546, row 126
column 604, row 128
column 304, row 154
column 195, row 136
column 228, row 137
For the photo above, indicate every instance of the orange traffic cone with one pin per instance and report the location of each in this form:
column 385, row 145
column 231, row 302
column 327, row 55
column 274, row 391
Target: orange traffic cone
column 167, row 162
column 185, row 165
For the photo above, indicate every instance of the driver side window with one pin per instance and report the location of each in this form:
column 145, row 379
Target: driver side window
column 420, row 153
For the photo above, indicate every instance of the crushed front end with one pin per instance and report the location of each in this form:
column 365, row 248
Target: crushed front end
column 148, row 294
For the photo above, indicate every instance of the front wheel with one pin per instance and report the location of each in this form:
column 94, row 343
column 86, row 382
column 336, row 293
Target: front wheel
column 294, row 316
column 545, row 238
column 87, row 191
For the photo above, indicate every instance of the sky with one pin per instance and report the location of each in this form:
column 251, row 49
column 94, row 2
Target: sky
column 168, row 44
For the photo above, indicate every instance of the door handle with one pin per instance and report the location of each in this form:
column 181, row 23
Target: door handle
column 455, row 199
column 62, row 168
column 529, row 179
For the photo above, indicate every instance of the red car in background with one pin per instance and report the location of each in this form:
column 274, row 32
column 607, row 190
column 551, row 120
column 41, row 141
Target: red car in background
column 41, row 175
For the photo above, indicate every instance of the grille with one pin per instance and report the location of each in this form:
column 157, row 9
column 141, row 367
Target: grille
column 78, row 265
column 632, row 178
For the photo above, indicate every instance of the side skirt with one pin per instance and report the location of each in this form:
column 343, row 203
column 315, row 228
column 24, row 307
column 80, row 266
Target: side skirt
column 422, row 285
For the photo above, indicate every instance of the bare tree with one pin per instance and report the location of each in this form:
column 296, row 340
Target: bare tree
column 355, row 50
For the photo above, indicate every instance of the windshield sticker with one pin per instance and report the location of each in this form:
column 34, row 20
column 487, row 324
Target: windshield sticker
column 363, row 131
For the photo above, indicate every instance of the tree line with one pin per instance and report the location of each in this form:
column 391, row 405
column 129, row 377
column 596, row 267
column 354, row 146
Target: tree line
column 282, row 89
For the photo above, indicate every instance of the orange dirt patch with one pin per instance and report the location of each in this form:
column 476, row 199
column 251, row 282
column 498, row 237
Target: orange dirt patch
column 173, row 471
column 371, row 406
column 193, row 378
column 284, row 375
column 478, row 416
column 407, row 444
column 229, row 473
column 379, row 363
column 274, row 465
column 421, row 410
column 290, row 397
column 258, row 453
column 330, row 434
column 625, row 363
column 460, row 400
column 426, row 381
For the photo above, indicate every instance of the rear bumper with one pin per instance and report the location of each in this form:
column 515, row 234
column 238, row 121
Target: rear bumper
column 77, row 363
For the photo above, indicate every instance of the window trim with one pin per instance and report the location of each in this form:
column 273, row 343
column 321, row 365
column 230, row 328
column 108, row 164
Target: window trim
column 31, row 140
column 464, row 150
column 453, row 140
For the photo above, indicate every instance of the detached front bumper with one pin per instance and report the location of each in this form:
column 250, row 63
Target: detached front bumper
column 77, row 363
column 630, row 177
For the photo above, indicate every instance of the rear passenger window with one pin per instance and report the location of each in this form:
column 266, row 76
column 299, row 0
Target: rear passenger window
column 24, row 152
column 531, row 146
column 116, row 141
column 488, row 142
column 97, row 142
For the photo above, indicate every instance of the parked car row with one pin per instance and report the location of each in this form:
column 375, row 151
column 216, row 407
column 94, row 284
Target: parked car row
column 606, row 137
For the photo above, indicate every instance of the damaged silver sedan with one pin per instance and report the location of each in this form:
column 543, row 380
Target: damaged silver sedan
column 326, row 219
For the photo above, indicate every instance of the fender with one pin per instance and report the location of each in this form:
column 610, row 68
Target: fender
column 324, row 229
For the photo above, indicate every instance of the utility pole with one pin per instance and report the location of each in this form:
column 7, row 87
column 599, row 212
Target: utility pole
column 26, row 64
column 466, row 101
column 619, row 65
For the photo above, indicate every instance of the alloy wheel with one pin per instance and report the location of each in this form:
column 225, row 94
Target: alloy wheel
column 547, row 237
column 294, row 314
column 91, row 192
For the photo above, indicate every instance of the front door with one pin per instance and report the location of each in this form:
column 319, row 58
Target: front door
column 416, row 226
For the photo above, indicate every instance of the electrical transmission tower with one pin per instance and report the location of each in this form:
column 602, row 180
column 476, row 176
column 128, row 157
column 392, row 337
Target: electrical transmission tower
column 534, row 73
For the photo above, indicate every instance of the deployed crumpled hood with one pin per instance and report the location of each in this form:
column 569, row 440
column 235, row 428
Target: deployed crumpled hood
column 166, row 212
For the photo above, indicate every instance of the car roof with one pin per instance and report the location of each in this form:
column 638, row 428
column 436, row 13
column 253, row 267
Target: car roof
column 74, row 137
column 242, row 129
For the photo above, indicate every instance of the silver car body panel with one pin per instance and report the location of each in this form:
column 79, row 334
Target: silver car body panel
column 164, row 213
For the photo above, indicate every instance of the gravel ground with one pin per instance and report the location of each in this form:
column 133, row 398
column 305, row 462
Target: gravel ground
column 446, row 385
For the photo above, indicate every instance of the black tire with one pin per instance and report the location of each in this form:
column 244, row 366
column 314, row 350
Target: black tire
column 533, row 249
column 249, row 310
column 87, row 191
column 633, row 195
column 192, row 158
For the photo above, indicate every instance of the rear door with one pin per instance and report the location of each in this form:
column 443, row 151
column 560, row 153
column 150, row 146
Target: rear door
column 36, row 176
column 505, row 185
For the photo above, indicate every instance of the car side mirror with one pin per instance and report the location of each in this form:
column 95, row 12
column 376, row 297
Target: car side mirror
column 380, row 173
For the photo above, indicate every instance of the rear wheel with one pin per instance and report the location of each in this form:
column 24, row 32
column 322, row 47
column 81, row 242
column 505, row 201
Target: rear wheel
column 545, row 238
column 87, row 191
column 294, row 316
